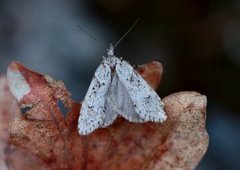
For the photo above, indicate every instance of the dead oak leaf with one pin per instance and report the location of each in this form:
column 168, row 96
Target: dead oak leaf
column 178, row 143
column 12, row 157
column 7, row 107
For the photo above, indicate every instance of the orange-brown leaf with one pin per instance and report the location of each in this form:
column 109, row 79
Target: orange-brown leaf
column 178, row 143
column 11, row 157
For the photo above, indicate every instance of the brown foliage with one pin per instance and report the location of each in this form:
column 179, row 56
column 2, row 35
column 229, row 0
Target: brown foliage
column 50, row 139
column 13, row 157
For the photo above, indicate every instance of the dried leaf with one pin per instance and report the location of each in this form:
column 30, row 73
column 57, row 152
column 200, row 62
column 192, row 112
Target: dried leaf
column 20, row 159
column 152, row 73
column 7, row 108
column 44, row 130
column 11, row 157
column 178, row 143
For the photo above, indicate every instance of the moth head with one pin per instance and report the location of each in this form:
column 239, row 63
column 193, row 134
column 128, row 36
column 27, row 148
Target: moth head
column 110, row 51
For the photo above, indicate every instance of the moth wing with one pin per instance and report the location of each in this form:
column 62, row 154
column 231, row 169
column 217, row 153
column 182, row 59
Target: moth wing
column 92, row 112
column 125, row 104
column 146, row 102
column 110, row 112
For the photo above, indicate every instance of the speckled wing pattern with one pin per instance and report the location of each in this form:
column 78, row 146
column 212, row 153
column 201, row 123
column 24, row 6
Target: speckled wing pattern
column 111, row 111
column 120, row 102
column 117, row 89
column 92, row 114
column 145, row 100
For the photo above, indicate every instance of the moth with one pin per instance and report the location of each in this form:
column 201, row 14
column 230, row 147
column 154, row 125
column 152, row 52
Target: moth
column 118, row 90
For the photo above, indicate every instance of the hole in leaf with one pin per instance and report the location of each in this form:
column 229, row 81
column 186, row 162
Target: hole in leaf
column 25, row 109
column 62, row 108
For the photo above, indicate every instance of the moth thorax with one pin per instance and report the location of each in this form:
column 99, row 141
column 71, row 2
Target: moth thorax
column 112, row 61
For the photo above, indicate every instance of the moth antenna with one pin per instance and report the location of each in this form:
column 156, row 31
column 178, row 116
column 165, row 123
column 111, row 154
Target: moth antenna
column 130, row 29
column 92, row 36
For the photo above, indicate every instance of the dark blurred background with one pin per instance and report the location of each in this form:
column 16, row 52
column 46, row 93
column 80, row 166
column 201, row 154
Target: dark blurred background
column 198, row 43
